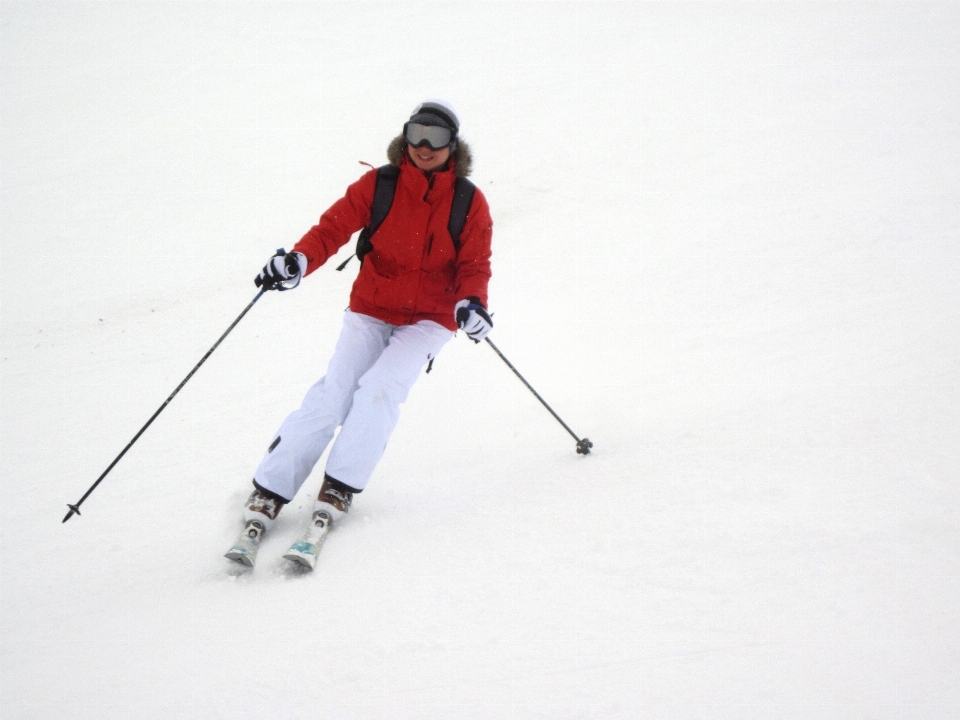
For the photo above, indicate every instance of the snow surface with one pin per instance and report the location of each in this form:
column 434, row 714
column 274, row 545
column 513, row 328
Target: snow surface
column 725, row 250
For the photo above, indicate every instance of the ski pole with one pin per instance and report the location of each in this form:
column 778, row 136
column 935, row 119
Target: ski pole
column 75, row 509
column 584, row 445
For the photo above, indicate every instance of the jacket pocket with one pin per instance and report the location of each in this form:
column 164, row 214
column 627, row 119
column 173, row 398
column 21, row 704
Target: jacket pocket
column 383, row 266
column 439, row 284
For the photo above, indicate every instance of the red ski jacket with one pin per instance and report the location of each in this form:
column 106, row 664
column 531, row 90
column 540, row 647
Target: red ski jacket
column 413, row 272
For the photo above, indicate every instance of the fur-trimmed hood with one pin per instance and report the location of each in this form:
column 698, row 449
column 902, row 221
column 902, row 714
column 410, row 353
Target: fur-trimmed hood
column 463, row 159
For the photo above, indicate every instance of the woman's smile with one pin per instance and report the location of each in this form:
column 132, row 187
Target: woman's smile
column 427, row 159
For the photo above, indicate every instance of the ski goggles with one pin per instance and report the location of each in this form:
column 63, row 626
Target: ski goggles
column 434, row 136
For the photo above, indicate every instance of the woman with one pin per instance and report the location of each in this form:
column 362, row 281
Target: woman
column 414, row 289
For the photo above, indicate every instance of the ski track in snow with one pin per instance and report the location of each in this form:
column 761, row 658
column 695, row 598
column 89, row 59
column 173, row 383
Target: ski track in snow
column 725, row 251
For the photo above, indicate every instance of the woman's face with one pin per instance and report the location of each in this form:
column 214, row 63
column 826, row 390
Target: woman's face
column 427, row 159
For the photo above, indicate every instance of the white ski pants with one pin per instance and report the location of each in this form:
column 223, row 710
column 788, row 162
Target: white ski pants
column 369, row 376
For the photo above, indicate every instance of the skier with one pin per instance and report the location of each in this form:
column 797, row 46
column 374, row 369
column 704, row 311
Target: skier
column 415, row 288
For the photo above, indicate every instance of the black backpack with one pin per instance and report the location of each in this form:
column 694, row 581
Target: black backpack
column 386, row 188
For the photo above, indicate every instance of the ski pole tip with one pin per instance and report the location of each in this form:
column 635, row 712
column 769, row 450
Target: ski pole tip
column 74, row 510
column 583, row 447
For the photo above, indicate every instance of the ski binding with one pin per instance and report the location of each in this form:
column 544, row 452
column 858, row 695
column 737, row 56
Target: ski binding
column 244, row 550
column 307, row 548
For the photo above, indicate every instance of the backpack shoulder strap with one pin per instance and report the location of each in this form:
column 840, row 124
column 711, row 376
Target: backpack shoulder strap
column 383, row 193
column 462, row 199
column 384, row 190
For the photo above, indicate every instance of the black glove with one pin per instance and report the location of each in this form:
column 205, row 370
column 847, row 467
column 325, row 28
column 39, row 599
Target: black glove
column 283, row 271
column 473, row 318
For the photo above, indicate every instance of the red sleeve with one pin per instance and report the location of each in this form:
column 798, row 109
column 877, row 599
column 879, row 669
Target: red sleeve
column 473, row 260
column 345, row 217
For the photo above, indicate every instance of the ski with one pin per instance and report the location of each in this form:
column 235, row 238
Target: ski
column 244, row 550
column 307, row 548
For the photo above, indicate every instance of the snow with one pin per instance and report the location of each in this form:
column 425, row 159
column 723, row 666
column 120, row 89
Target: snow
column 725, row 251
